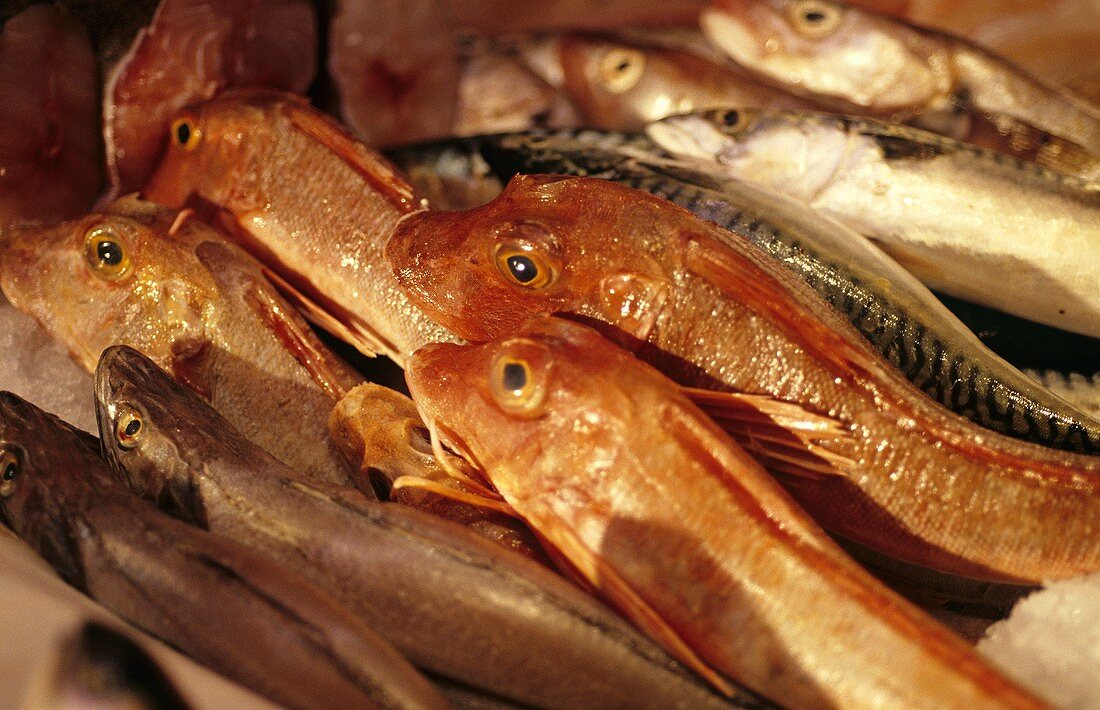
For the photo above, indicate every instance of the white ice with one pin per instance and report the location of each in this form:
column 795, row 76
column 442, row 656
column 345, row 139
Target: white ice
column 1051, row 643
column 35, row 367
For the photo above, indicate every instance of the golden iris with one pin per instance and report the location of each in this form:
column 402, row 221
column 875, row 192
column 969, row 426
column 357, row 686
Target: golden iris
column 814, row 18
column 129, row 428
column 106, row 253
column 10, row 468
column 185, row 133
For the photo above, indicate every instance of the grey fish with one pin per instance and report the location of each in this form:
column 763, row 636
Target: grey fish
column 890, row 308
column 206, row 595
column 454, row 603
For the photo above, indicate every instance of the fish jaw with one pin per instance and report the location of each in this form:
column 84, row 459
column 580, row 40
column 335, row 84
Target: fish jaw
column 774, row 149
column 858, row 64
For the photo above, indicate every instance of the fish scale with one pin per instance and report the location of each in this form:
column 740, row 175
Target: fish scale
column 928, row 346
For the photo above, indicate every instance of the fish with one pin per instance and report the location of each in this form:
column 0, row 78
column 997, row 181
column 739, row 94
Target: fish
column 644, row 497
column 51, row 150
column 314, row 205
column 497, row 93
column 41, row 613
column 171, row 285
column 897, row 314
column 454, row 603
column 872, row 64
column 623, row 85
column 379, row 432
column 892, row 471
column 191, row 51
column 259, row 623
column 963, row 220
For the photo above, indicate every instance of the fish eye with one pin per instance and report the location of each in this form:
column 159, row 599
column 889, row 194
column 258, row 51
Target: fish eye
column 732, row 120
column 129, row 427
column 814, row 18
column 185, row 133
column 10, row 468
column 518, row 377
column 620, row 69
column 106, row 254
column 524, row 262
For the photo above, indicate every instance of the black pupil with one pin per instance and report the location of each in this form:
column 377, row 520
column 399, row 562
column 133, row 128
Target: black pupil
column 522, row 268
column 515, row 376
column 9, row 471
column 731, row 117
column 109, row 253
column 815, row 16
column 183, row 133
column 133, row 427
column 623, row 65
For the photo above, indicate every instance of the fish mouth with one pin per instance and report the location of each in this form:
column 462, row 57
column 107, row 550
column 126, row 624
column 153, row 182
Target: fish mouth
column 456, row 458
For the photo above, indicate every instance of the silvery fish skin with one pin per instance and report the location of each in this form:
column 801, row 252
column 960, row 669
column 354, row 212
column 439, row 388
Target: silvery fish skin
column 873, row 64
column 212, row 598
column 894, row 311
column 177, row 289
column 965, row 221
column 453, row 602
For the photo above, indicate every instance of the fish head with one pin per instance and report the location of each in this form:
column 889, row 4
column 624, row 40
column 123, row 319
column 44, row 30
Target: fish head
column 127, row 273
column 157, row 434
column 48, row 469
column 545, row 245
column 797, row 153
column 623, row 86
column 515, row 406
column 826, row 50
column 215, row 150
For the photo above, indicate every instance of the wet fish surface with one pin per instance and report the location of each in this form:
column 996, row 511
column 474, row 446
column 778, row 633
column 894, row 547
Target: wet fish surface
column 894, row 471
column 965, row 221
column 456, row 604
column 308, row 200
column 679, row 528
column 873, row 64
column 893, row 311
column 208, row 596
column 176, row 288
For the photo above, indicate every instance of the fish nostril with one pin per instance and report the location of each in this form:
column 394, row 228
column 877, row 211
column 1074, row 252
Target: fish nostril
column 420, row 439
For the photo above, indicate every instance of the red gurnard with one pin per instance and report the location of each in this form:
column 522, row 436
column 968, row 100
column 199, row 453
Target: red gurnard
column 883, row 466
column 642, row 496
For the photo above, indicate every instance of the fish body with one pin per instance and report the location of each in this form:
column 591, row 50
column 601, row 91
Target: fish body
column 896, row 313
column 623, row 85
column 177, row 289
column 898, row 474
column 872, row 64
column 965, row 221
column 454, row 603
column 679, row 528
column 208, row 596
column 314, row 205
column 191, row 51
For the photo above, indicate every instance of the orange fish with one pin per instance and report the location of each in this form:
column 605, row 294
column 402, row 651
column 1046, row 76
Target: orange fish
column 868, row 455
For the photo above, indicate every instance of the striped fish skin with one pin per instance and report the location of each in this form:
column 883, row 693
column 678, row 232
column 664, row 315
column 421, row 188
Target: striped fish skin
column 891, row 309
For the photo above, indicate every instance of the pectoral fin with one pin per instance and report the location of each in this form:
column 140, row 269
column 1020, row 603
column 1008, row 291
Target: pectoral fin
column 233, row 274
column 376, row 170
column 561, row 542
column 785, row 437
column 352, row 332
column 745, row 282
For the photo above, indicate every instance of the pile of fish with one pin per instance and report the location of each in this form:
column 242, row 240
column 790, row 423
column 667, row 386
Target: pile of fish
column 681, row 423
